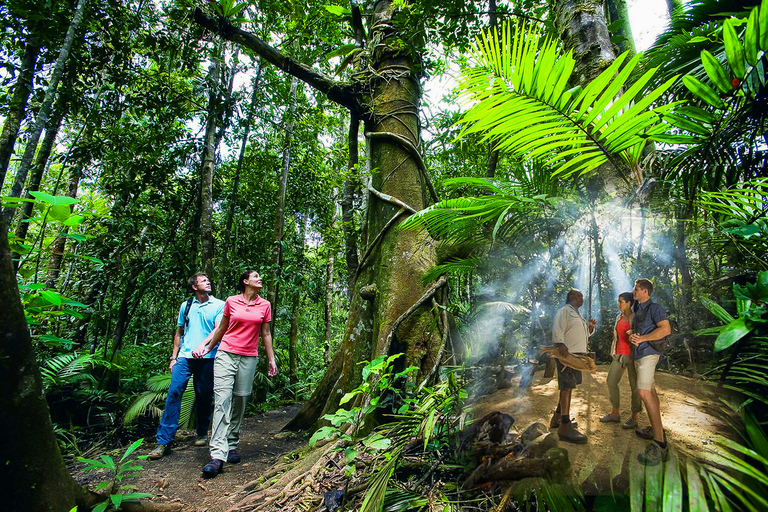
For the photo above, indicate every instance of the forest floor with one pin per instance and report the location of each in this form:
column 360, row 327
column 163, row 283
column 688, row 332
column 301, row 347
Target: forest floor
column 689, row 411
column 177, row 478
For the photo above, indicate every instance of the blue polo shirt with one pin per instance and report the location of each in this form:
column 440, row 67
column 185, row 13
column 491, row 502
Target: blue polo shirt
column 202, row 319
column 647, row 317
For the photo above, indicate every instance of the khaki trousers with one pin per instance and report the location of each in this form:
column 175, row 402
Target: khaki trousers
column 619, row 363
column 232, row 384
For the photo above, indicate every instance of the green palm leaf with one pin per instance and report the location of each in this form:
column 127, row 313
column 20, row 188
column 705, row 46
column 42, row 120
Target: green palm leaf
column 518, row 89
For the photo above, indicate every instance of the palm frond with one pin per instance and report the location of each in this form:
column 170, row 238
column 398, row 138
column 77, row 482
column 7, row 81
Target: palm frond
column 519, row 90
column 65, row 368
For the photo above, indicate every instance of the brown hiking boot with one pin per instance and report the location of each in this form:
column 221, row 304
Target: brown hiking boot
column 160, row 451
column 569, row 434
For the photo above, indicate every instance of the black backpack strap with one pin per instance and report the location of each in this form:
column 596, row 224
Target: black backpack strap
column 186, row 312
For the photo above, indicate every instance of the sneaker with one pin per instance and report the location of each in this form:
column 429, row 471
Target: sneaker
column 630, row 423
column 213, row 468
column 160, row 451
column 569, row 434
column 610, row 419
column 233, row 457
column 201, row 440
column 647, row 433
column 653, row 455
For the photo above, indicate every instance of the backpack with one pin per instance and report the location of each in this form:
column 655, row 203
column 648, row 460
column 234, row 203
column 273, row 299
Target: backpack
column 662, row 345
column 186, row 313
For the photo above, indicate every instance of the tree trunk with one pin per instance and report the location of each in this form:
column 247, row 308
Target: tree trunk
column 57, row 252
column 227, row 238
column 493, row 153
column 347, row 206
column 582, row 28
column 617, row 11
column 328, row 310
column 293, row 341
column 206, row 170
column 34, row 475
column 391, row 310
column 45, row 108
column 686, row 285
column 673, row 5
column 41, row 164
column 273, row 294
column 17, row 108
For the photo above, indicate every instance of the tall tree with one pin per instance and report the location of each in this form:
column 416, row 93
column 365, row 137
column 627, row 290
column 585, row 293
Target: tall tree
column 17, row 107
column 618, row 14
column 42, row 115
column 390, row 311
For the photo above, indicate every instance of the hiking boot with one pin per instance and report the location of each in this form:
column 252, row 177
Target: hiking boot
column 233, row 457
column 213, row 468
column 160, row 451
column 653, row 455
column 555, row 422
column 647, row 433
column 630, row 423
column 569, row 434
column 610, row 419
column 201, row 440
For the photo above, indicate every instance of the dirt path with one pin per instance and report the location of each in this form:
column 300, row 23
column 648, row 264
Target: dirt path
column 176, row 478
column 689, row 418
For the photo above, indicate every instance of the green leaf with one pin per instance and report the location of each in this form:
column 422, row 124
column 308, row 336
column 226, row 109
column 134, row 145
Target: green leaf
column 117, row 500
column 734, row 50
column 131, row 448
column 136, row 495
column 763, row 25
column 349, row 455
column 703, row 91
column 340, row 52
column 322, row 433
column 101, row 507
column 732, row 333
column 377, row 442
column 716, row 72
column 73, row 220
column 338, row 10
column 52, row 200
column 74, row 236
column 60, row 212
column 51, row 296
column 751, row 38
column 349, row 396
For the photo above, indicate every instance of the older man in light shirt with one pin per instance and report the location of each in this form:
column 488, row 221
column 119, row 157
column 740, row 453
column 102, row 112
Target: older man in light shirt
column 570, row 332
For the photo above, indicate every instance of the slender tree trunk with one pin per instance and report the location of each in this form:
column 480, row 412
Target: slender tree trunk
column 57, row 252
column 45, row 108
column 279, row 227
column 293, row 341
column 686, row 285
column 328, row 310
column 206, row 170
column 493, row 153
column 227, row 238
column 17, row 108
column 617, row 11
column 347, row 206
column 41, row 164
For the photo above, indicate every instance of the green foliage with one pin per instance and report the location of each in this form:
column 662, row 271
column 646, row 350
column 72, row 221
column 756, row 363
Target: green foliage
column 150, row 401
column 520, row 97
column 120, row 470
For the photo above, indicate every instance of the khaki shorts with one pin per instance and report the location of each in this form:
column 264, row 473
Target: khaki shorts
column 646, row 368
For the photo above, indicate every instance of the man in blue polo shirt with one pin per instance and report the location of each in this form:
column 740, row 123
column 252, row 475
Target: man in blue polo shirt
column 204, row 314
column 650, row 324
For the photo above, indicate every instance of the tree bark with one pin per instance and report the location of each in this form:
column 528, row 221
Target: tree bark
column 347, row 206
column 582, row 28
column 227, row 238
column 617, row 11
column 328, row 310
column 45, row 108
column 493, row 153
column 17, row 108
column 273, row 295
column 33, row 472
column 206, row 170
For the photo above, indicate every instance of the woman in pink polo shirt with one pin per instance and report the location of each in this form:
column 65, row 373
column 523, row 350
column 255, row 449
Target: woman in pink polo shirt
column 246, row 316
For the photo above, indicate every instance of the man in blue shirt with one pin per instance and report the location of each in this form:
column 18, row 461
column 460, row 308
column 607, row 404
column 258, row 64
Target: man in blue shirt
column 649, row 324
column 205, row 312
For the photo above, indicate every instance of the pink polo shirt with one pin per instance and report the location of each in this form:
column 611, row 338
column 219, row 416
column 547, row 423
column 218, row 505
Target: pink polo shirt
column 245, row 319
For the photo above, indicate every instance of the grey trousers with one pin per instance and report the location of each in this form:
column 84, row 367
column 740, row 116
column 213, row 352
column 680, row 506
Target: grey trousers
column 619, row 363
column 232, row 383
